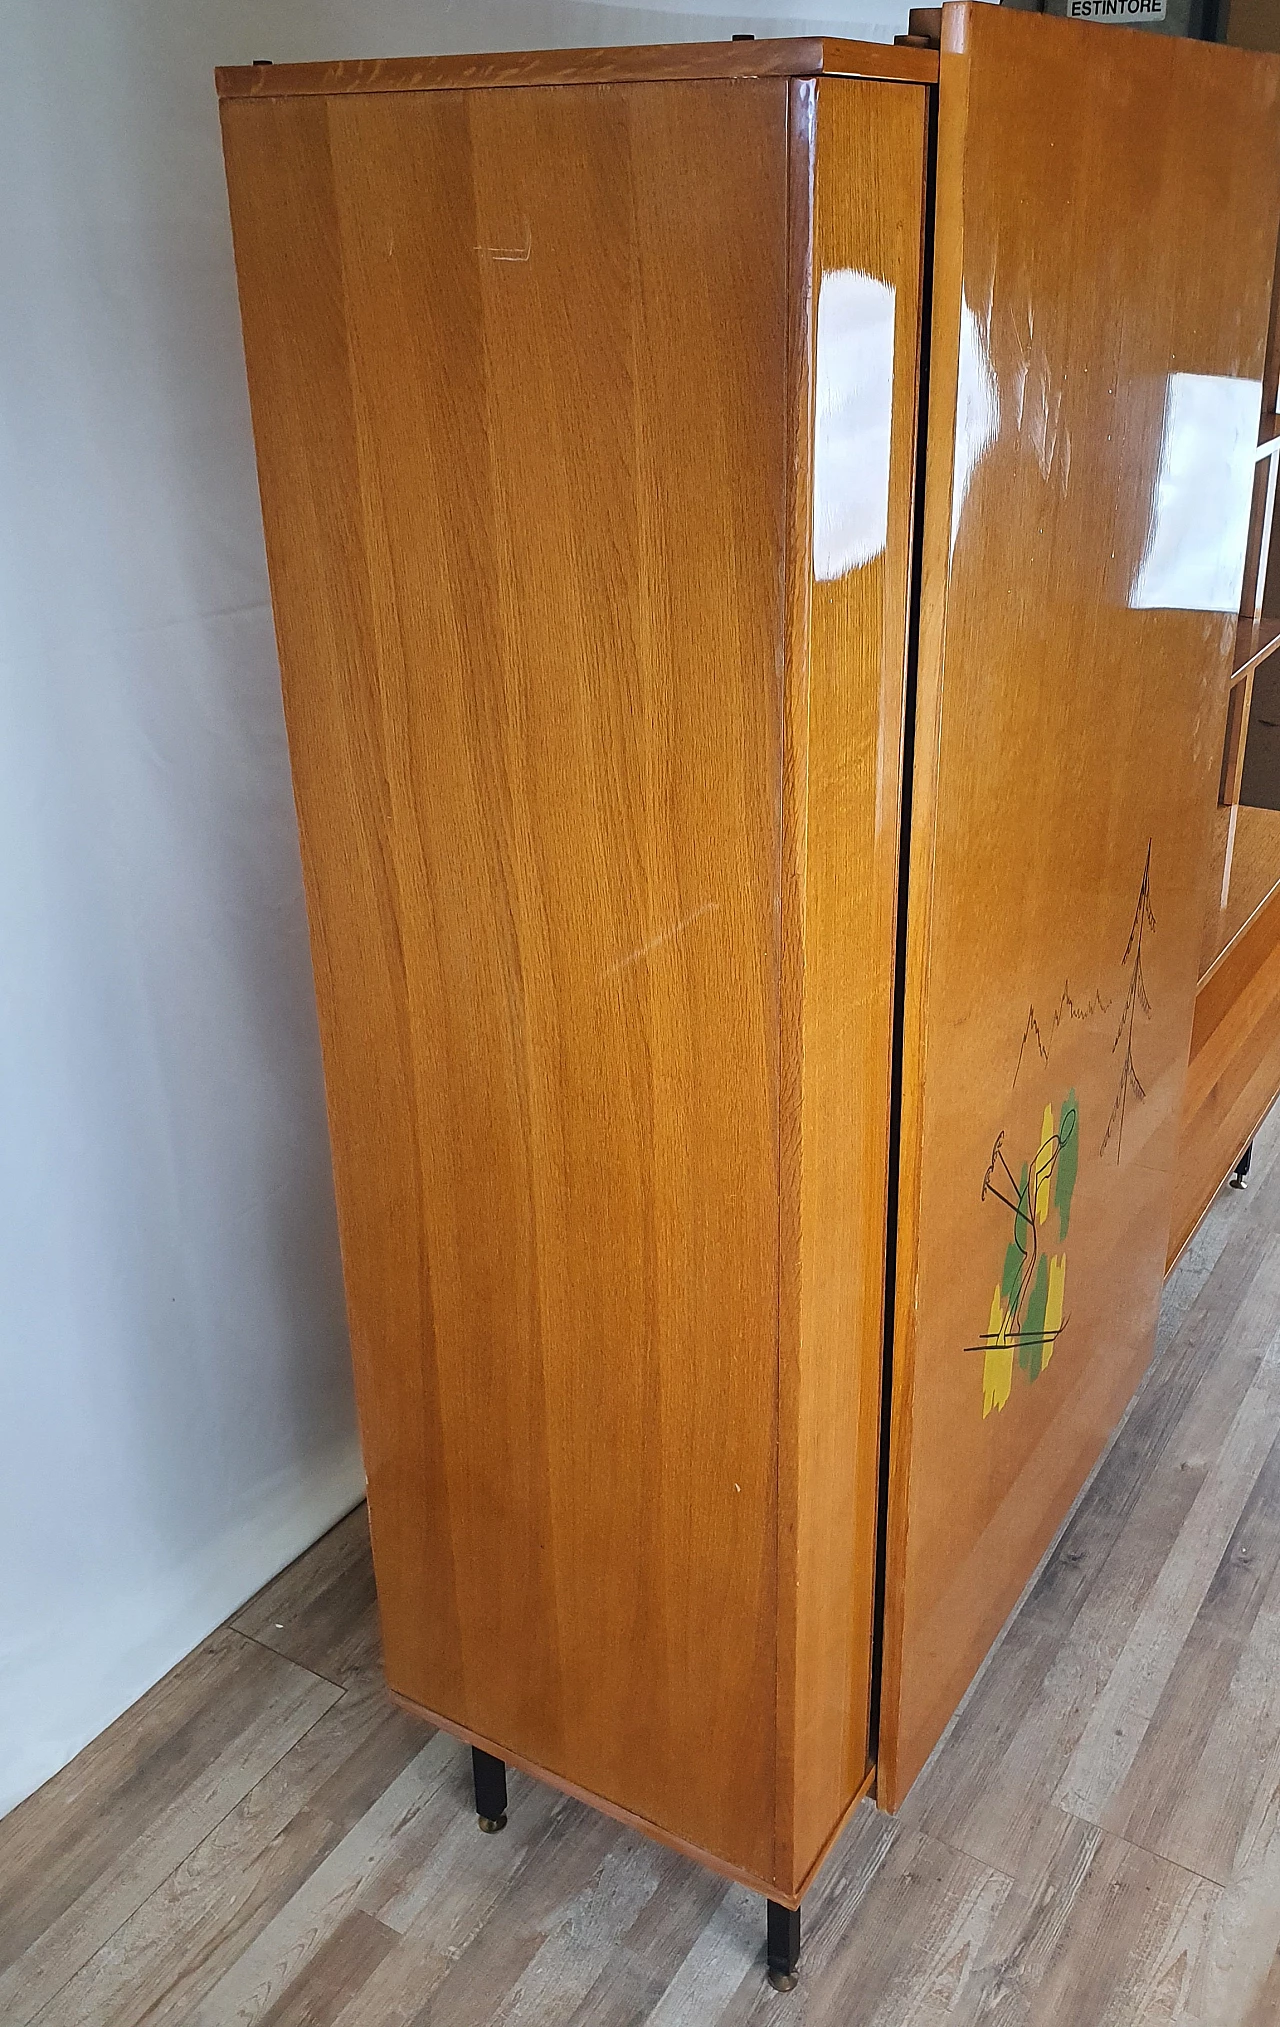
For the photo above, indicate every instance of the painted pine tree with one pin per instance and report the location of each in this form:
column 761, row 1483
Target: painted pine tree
column 1135, row 1002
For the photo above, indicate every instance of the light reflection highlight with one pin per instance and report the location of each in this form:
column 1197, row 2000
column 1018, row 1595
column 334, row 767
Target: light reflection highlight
column 852, row 421
column 1194, row 556
column 977, row 411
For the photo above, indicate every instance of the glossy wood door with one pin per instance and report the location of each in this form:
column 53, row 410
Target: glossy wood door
column 1106, row 213
column 859, row 164
column 518, row 363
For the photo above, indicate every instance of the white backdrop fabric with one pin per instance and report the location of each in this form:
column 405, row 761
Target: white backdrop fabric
column 176, row 1419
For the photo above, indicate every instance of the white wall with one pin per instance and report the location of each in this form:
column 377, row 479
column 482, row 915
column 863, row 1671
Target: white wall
column 175, row 1406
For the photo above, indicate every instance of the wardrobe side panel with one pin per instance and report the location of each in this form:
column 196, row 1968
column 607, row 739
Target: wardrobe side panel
column 1106, row 229
column 517, row 363
column 859, row 313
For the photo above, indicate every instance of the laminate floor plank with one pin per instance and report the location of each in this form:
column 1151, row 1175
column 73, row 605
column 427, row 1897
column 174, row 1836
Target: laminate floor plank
column 1265, row 2010
column 340, row 1966
column 724, row 1964
column 146, row 1824
column 1126, row 1703
column 686, row 1907
column 265, row 1840
column 1107, row 1935
column 465, row 1879
column 1007, row 1755
column 199, row 1921
column 572, row 1877
column 323, row 1610
column 278, row 1953
column 55, row 1845
column 906, row 1956
column 1193, row 1782
column 1246, row 1931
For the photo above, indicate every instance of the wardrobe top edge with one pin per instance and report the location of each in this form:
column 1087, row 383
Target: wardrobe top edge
column 792, row 56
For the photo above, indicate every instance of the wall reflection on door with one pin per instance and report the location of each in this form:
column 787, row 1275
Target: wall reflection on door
column 1194, row 555
column 852, row 421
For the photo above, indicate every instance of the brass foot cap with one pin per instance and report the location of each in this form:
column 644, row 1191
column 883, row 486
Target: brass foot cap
column 783, row 1981
column 492, row 1823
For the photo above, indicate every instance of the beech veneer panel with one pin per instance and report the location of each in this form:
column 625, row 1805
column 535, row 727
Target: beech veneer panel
column 520, row 413
column 1106, row 211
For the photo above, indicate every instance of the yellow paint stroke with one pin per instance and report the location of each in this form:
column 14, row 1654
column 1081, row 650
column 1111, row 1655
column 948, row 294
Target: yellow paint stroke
column 1053, row 1307
column 1044, row 1166
column 997, row 1366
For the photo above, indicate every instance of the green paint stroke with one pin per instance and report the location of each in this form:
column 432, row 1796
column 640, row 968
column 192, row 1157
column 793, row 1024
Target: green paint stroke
column 1022, row 1223
column 1031, row 1336
column 1011, row 1276
column 1064, row 1179
column 1015, row 1258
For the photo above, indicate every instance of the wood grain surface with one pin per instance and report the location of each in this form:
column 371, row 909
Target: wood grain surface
column 1251, row 878
column 1234, row 1071
column 1106, row 214
column 543, row 697
column 264, row 1837
column 520, row 416
column 766, row 56
column 841, row 821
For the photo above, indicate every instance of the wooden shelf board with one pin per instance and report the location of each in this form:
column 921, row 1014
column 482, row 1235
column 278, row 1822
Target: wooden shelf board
column 1255, row 640
column 1234, row 1071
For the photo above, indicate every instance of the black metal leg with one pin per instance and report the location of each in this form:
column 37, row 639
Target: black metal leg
column 783, row 1945
column 1242, row 1168
column 491, row 1789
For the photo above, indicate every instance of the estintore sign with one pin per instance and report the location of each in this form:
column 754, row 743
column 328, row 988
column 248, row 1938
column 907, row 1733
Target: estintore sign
column 1115, row 10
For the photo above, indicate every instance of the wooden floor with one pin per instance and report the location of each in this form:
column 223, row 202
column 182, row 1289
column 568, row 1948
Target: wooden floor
column 263, row 1838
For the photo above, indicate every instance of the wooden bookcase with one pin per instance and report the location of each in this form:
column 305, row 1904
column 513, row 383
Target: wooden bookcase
column 1234, row 1073
column 755, row 720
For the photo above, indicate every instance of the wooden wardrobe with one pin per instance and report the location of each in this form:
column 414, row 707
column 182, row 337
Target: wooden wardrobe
column 1234, row 1073
column 755, row 533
